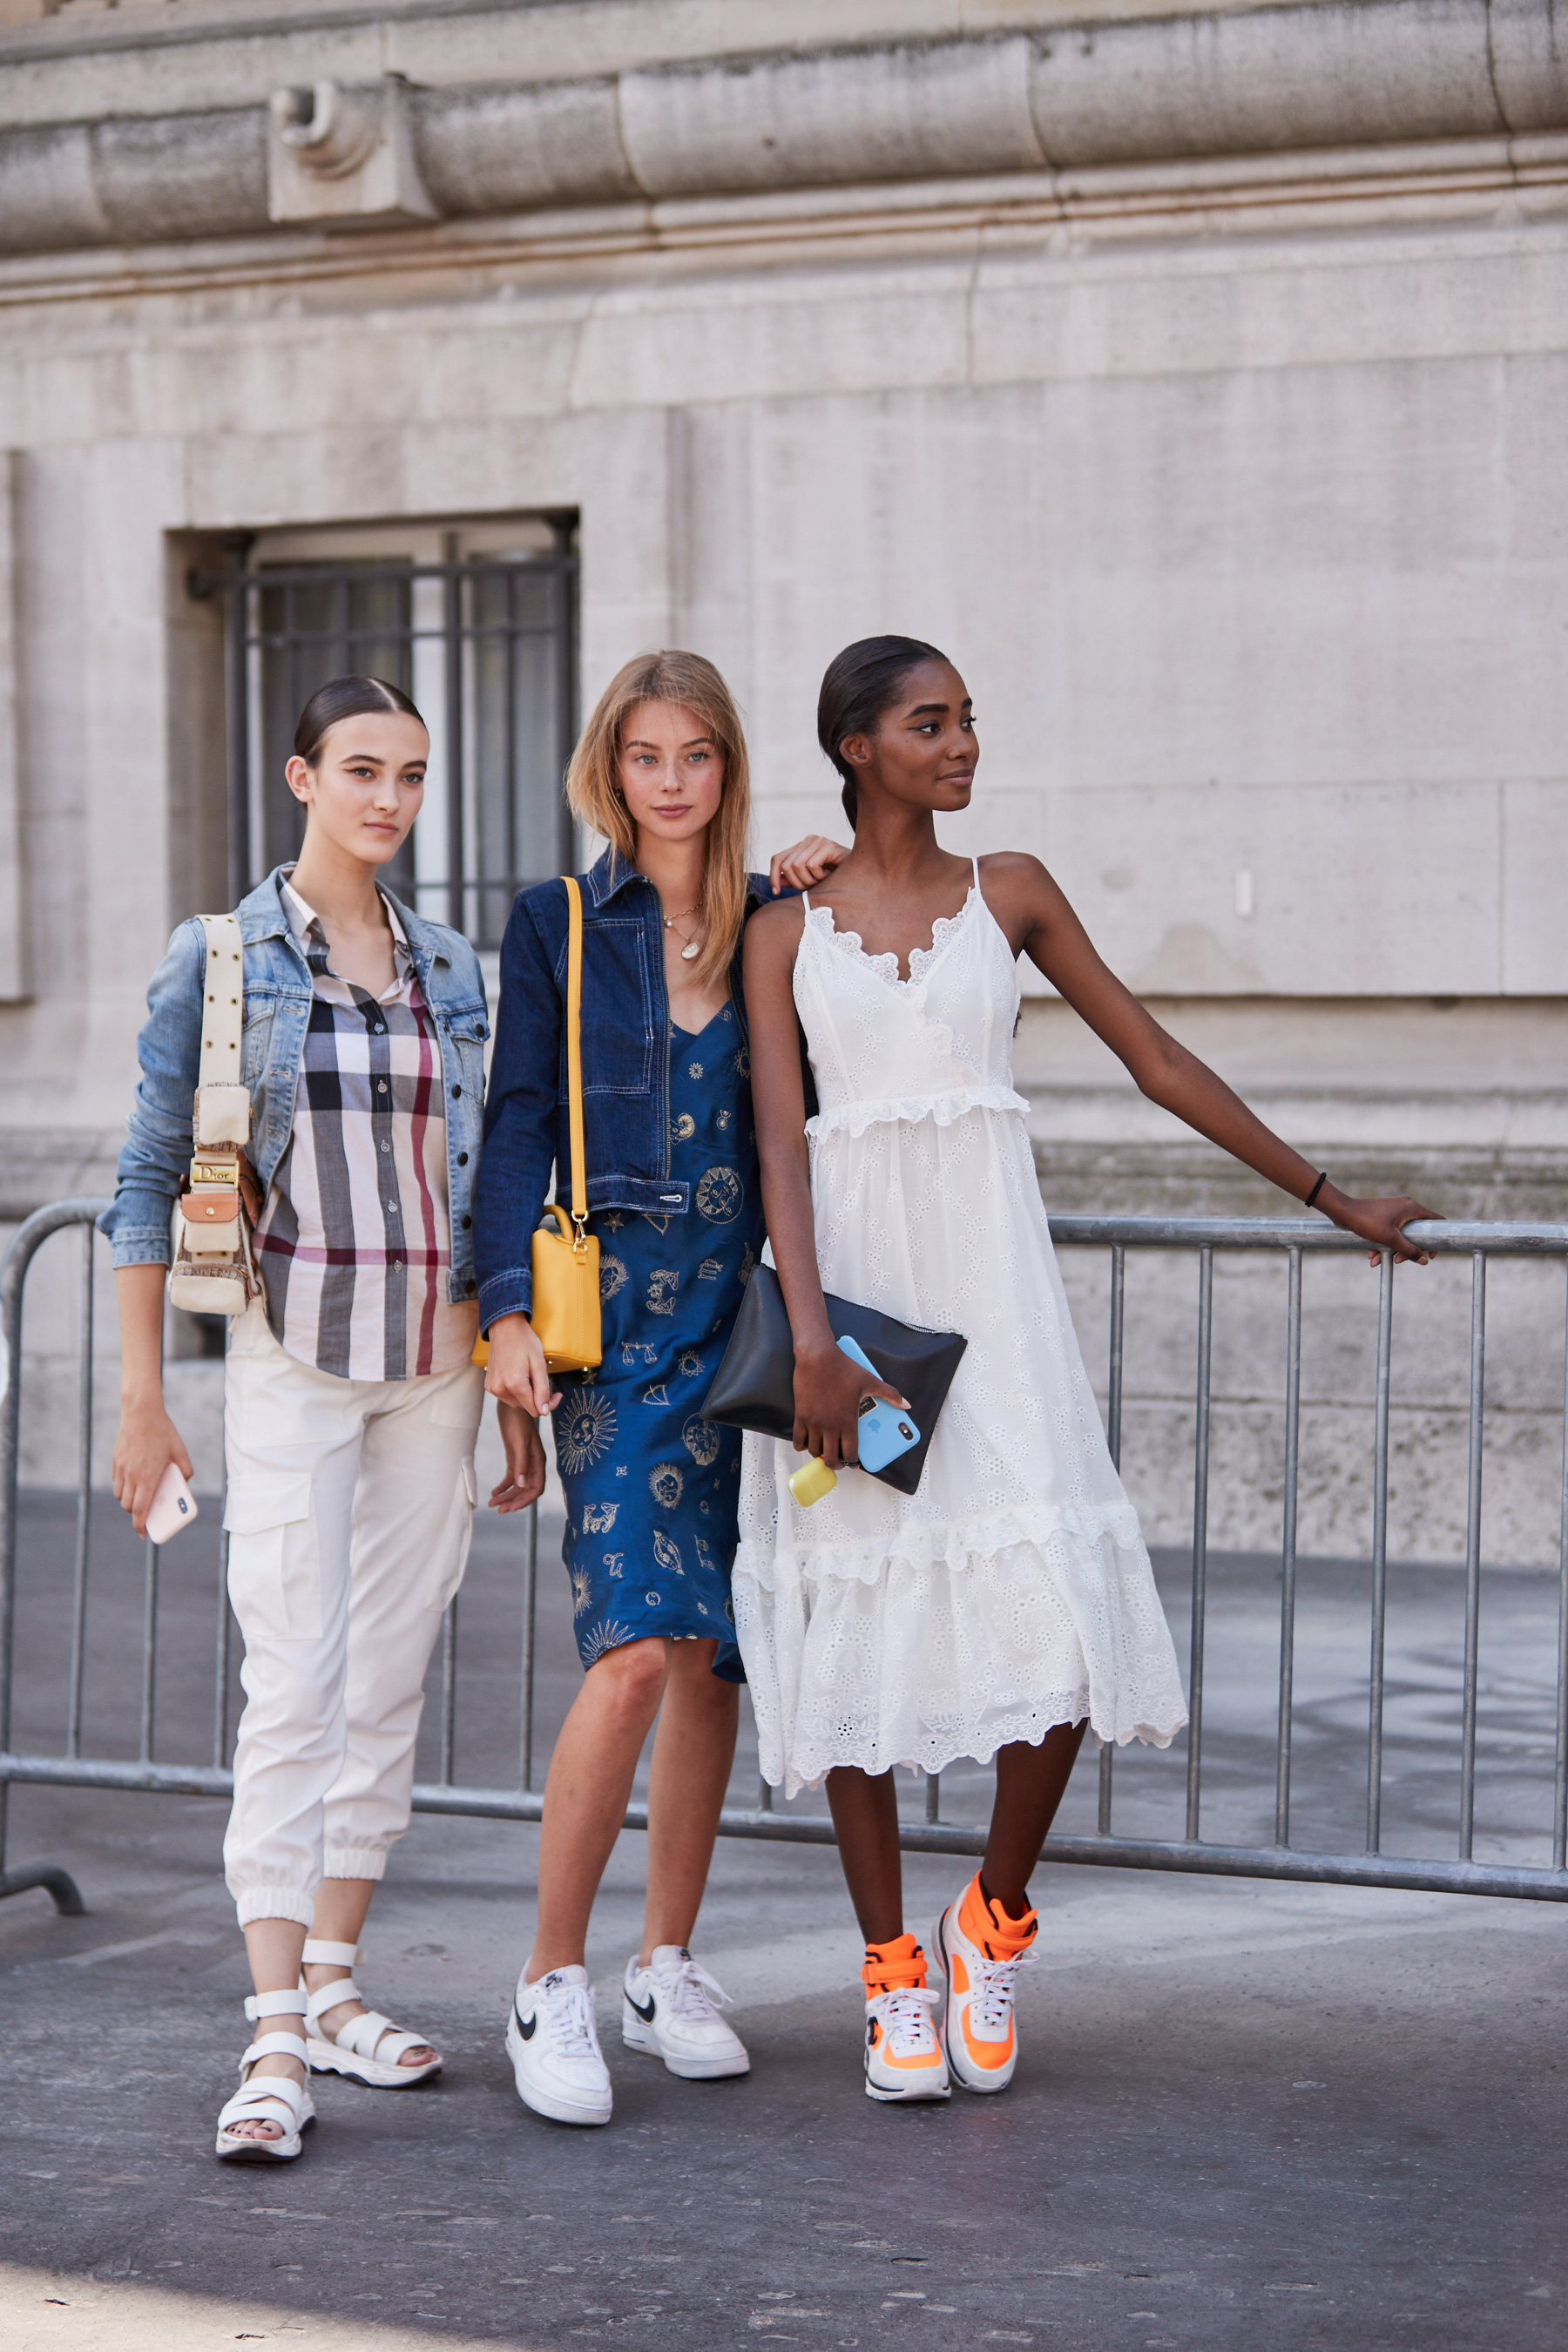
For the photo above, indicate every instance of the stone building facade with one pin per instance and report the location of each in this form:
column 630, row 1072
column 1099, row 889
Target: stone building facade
column 1195, row 373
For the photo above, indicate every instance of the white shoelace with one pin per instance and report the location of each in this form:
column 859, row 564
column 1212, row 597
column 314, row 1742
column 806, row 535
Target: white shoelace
column 998, row 1983
column 692, row 1992
column 567, row 2016
column 908, row 2017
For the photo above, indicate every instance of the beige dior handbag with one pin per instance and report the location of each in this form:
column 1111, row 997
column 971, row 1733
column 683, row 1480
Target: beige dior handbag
column 213, row 1271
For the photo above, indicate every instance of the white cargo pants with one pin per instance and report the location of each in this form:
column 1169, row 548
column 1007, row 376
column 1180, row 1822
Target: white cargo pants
column 348, row 1509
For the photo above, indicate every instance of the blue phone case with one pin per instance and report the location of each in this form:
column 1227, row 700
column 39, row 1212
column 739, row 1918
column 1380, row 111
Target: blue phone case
column 886, row 1430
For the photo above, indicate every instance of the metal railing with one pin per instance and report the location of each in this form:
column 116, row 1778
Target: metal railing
column 1296, row 1238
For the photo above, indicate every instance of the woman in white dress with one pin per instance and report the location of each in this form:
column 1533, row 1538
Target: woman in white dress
column 1009, row 1603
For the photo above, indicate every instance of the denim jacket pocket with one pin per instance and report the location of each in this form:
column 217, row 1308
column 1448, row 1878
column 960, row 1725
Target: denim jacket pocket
column 617, row 1054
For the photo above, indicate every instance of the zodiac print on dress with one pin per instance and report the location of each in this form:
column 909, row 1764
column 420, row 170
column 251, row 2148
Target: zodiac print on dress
column 667, row 1484
column 585, row 1430
column 613, row 1278
column 700, row 1439
column 640, row 1434
column 720, row 1194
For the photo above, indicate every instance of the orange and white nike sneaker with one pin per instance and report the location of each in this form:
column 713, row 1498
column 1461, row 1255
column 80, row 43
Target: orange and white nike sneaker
column 903, row 2057
column 980, row 1950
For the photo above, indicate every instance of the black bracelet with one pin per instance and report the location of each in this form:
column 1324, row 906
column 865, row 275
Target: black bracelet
column 1316, row 1188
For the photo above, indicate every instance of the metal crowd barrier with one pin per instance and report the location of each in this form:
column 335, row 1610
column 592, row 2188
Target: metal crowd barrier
column 1297, row 1238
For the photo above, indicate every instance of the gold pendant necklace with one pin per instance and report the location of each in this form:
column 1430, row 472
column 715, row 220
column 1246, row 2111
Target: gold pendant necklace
column 693, row 948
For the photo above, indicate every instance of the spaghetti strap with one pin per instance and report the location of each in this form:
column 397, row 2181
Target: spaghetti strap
column 974, row 863
column 806, row 900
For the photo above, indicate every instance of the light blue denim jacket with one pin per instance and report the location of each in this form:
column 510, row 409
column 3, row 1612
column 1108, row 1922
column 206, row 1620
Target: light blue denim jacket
column 277, row 993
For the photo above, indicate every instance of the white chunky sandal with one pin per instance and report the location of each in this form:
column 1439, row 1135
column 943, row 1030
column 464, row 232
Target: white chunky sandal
column 367, row 2048
column 268, row 2098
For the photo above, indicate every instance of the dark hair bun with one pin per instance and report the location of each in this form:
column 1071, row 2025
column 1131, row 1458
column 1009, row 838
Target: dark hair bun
column 345, row 698
column 858, row 686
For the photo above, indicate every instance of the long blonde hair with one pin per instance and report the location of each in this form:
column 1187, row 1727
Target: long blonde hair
column 594, row 785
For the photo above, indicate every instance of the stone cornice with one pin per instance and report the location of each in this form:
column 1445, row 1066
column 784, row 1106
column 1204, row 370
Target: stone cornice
column 1174, row 93
column 228, row 50
column 1477, row 181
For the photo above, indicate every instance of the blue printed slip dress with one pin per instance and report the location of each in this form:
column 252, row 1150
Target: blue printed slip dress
column 651, row 1487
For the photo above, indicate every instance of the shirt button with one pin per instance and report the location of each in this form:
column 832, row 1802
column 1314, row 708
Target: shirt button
column 397, row 1265
column 457, row 1090
column 378, row 1028
column 380, row 1085
column 386, row 1147
column 462, row 1159
column 466, row 1223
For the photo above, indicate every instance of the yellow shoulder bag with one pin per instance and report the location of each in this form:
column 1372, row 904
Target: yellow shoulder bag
column 566, row 1260
column 565, row 1316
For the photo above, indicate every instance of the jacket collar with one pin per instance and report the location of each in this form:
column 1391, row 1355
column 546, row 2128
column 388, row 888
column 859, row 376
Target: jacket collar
column 261, row 916
column 609, row 876
column 612, row 872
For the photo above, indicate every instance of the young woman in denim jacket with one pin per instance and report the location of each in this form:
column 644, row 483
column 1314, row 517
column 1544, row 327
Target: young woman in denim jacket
column 675, row 1201
column 350, row 1403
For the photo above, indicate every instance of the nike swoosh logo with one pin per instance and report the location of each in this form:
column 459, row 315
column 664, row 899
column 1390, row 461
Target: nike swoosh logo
column 525, row 2025
column 646, row 2014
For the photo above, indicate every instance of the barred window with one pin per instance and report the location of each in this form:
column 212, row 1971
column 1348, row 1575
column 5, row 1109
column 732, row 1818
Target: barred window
column 476, row 621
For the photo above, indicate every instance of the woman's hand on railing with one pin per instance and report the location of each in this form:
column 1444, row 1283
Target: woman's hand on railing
column 517, row 1372
column 1381, row 1223
column 524, row 1480
column 828, row 1387
column 144, row 1444
column 805, row 863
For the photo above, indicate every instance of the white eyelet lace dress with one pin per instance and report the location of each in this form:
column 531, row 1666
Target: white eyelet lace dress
column 1012, row 1590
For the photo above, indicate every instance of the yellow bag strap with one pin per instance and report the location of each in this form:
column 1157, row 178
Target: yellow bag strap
column 575, row 1055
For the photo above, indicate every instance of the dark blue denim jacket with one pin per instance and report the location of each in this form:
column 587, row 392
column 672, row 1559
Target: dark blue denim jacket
column 626, row 1071
column 277, row 996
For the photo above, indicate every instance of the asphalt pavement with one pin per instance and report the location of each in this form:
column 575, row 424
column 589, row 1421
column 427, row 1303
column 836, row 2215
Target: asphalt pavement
column 1248, row 2116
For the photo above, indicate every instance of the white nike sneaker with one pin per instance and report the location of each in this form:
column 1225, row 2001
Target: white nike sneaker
column 671, row 2010
column 555, row 2049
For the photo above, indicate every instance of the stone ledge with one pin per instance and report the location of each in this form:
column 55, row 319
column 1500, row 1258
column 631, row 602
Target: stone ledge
column 1257, row 81
column 1197, row 1179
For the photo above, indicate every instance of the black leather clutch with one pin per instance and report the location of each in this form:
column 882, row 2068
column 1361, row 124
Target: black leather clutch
column 754, row 1386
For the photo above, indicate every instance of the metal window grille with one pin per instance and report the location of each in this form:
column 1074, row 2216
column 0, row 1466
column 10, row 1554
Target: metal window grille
column 485, row 646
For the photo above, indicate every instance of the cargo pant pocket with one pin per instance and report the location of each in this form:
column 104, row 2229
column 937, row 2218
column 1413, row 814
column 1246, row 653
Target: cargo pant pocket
column 274, row 1558
column 457, row 1535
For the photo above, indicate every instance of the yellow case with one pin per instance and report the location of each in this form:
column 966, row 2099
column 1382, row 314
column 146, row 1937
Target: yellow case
column 565, row 1317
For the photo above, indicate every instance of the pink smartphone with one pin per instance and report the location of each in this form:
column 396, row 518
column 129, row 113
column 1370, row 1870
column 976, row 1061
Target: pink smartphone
column 173, row 1507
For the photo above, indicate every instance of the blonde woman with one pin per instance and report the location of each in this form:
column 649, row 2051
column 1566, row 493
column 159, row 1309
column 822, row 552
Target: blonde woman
column 661, row 774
